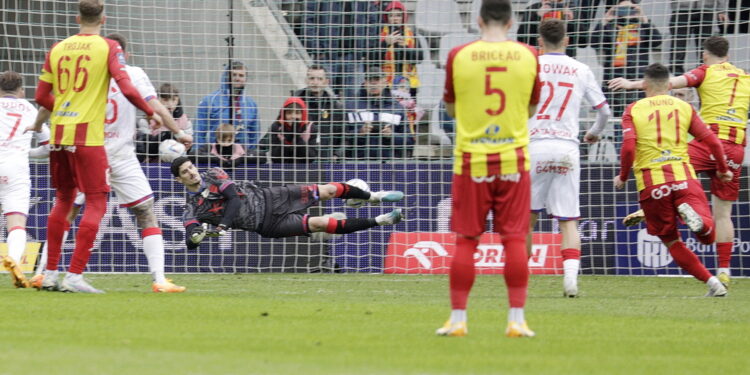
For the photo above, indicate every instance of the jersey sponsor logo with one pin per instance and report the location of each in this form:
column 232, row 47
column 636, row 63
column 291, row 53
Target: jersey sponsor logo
column 431, row 253
column 733, row 165
column 559, row 69
column 651, row 252
column 492, row 140
column 4, row 180
column 665, row 190
column 66, row 114
column 553, row 166
column 558, row 133
column 666, row 155
column 511, row 177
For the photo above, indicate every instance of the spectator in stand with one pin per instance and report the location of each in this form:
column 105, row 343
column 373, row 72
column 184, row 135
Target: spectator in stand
column 292, row 138
column 148, row 139
column 325, row 111
column 399, row 51
column 224, row 153
column 378, row 121
column 692, row 19
column 341, row 34
column 624, row 40
column 535, row 13
column 229, row 105
column 402, row 91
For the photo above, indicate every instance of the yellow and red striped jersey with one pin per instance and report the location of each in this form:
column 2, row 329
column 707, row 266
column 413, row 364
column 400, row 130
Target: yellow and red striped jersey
column 660, row 124
column 78, row 68
column 724, row 91
column 492, row 85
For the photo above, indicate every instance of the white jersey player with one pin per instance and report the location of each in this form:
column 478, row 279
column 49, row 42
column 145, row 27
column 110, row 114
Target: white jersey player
column 16, row 114
column 127, row 179
column 554, row 132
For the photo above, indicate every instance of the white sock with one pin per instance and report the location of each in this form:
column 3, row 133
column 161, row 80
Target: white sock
column 43, row 260
column 713, row 282
column 153, row 247
column 724, row 270
column 515, row 314
column 458, row 316
column 570, row 267
column 73, row 276
column 16, row 244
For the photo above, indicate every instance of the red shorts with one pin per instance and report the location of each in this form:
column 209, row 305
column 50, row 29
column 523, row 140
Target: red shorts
column 82, row 167
column 510, row 202
column 703, row 162
column 659, row 203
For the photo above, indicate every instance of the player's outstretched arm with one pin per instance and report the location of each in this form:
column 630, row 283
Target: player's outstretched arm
column 603, row 114
column 170, row 123
column 620, row 83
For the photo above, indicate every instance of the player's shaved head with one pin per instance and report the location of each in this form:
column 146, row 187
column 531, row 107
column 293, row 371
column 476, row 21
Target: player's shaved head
column 552, row 31
column 90, row 11
column 496, row 11
column 176, row 164
column 656, row 75
column 119, row 38
column 717, row 46
column 10, row 81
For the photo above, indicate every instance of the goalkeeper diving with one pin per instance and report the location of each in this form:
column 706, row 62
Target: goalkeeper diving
column 274, row 212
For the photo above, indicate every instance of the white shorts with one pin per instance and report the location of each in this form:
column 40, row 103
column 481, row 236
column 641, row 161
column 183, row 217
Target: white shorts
column 555, row 178
column 128, row 182
column 15, row 187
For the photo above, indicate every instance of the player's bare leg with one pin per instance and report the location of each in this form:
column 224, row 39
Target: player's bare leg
column 724, row 237
column 16, row 245
column 153, row 247
column 571, row 254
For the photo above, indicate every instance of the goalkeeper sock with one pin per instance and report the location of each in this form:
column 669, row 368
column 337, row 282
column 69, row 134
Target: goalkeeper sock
column 346, row 191
column 571, row 262
column 16, row 243
column 688, row 261
column 153, row 247
column 352, row 225
column 724, row 251
column 96, row 206
column 516, row 270
column 57, row 225
column 462, row 272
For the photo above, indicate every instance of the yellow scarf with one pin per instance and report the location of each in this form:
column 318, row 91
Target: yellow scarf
column 389, row 65
column 626, row 36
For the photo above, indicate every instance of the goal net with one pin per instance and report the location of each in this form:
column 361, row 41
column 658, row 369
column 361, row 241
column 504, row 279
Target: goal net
column 380, row 120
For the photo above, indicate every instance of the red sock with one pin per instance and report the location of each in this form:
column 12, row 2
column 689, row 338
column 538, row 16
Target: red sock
column 462, row 272
column 689, row 261
column 570, row 254
column 516, row 271
column 57, row 224
column 724, row 251
column 96, row 206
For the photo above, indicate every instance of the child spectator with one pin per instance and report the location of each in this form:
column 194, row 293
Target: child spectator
column 225, row 152
column 292, row 138
column 402, row 92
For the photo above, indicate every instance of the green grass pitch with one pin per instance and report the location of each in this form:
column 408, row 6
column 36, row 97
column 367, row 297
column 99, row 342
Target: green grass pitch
column 373, row 324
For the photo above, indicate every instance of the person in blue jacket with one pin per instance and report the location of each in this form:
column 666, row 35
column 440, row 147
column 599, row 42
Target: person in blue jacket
column 228, row 105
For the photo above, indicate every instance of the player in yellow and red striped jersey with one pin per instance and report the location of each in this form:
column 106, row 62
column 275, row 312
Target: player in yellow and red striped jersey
column 491, row 88
column 655, row 137
column 724, row 91
column 73, row 86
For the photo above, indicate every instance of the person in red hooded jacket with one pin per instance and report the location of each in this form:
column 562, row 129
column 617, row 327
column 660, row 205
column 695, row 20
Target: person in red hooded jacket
column 399, row 51
column 292, row 138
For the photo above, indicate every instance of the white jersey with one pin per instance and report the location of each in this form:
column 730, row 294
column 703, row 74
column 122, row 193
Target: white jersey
column 15, row 116
column 565, row 81
column 120, row 123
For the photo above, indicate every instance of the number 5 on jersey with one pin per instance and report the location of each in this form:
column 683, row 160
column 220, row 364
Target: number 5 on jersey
column 489, row 90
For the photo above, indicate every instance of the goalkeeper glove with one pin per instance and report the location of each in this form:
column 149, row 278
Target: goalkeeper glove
column 198, row 233
column 220, row 230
